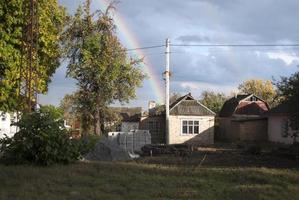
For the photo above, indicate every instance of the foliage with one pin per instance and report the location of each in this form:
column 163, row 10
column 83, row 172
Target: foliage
column 10, row 51
column 57, row 113
column 173, row 97
column 289, row 88
column 13, row 25
column 100, row 64
column 69, row 108
column 263, row 89
column 41, row 139
column 212, row 100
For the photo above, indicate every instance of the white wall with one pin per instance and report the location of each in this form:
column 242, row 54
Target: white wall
column 128, row 126
column 275, row 130
column 5, row 124
column 206, row 130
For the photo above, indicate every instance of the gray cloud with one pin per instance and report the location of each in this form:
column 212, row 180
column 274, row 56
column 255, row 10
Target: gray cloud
column 209, row 21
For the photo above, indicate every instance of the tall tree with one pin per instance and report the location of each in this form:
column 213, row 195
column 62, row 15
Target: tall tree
column 100, row 64
column 14, row 47
column 11, row 23
column 264, row 89
column 212, row 100
column 289, row 89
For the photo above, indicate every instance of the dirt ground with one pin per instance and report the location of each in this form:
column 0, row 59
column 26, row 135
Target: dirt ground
column 227, row 155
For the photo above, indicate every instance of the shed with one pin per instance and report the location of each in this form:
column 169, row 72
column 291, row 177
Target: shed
column 240, row 118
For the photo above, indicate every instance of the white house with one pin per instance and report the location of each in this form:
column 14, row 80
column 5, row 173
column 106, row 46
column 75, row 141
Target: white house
column 189, row 122
column 6, row 120
column 279, row 129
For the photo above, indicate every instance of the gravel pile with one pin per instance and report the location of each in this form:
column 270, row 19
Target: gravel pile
column 107, row 150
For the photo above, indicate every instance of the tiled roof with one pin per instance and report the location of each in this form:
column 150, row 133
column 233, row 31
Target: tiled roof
column 235, row 106
column 185, row 105
column 127, row 114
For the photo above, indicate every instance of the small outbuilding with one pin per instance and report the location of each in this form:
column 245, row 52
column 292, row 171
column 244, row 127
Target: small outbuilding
column 241, row 119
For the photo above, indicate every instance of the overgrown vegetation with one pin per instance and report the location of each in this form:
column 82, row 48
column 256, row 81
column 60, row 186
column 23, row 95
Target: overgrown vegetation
column 42, row 139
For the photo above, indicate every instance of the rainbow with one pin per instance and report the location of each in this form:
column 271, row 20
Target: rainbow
column 131, row 42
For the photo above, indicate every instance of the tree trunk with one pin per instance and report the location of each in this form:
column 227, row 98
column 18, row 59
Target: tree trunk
column 102, row 126
column 96, row 122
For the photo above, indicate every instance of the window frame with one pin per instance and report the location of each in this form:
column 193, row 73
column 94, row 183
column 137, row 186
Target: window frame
column 190, row 124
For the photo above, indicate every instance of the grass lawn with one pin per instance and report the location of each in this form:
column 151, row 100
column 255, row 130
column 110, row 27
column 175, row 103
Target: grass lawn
column 146, row 181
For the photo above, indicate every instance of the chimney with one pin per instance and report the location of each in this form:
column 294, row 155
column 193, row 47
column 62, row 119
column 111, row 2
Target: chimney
column 151, row 105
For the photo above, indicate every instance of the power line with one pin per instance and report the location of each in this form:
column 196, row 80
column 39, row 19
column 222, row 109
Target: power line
column 215, row 45
column 235, row 45
column 148, row 47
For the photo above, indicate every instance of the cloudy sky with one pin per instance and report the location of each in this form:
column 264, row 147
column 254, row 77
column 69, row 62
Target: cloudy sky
column 195, row 69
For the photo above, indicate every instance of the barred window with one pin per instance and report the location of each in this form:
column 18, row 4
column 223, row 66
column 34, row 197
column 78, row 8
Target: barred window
column 153, row 126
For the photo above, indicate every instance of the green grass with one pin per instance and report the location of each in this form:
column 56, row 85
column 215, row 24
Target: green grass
column 144, row 181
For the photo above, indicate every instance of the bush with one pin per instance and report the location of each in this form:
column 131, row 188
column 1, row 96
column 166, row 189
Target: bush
column 42, row 140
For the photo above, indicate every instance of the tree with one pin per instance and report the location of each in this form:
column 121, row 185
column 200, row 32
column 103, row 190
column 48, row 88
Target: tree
column 14, row 47
column 288, row 87
column 10, row 51
column 263, row 89
column 173, row 97
column 69, row 107
column 100, row 64
column 212, row 100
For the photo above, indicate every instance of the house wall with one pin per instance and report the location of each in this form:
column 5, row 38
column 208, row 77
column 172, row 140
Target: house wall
column 5, row 125
column 206, row 135
column 156, row 126
column 275, row 130
column 251, row 130
column 233, row 129
column 127, row 126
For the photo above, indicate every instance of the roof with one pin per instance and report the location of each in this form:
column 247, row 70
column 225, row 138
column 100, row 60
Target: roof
column 185, row 105
column 244, row 105
column 127, row 114
column 192, row 108
column 281, row 109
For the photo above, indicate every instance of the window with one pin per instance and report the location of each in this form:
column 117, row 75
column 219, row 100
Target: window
column 284, row 128
column 190, row 127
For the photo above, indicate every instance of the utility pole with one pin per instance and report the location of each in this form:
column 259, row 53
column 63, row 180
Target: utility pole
column 167, row 74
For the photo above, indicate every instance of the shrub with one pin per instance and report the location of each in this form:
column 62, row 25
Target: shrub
column 41, row 139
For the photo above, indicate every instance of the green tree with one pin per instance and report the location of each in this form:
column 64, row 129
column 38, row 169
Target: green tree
column 100, row 64
column 69, row 107
column 263, row 89
column 13, row 60
column 288, row 88
column 11, row 24
column 212, row 100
